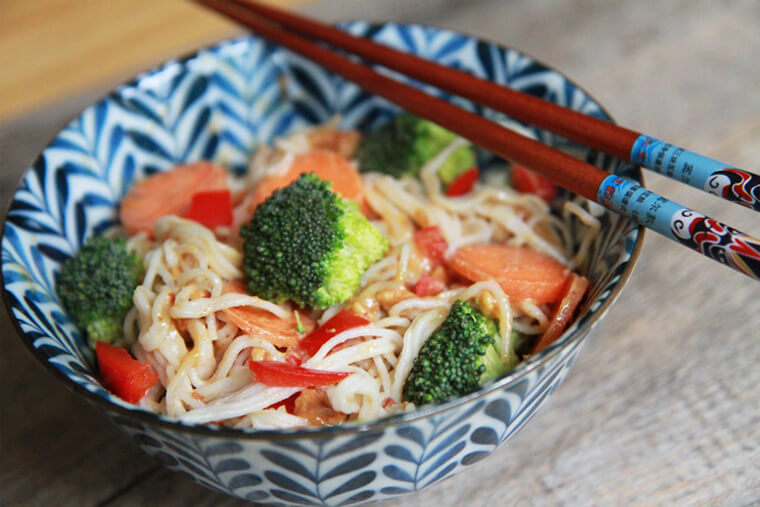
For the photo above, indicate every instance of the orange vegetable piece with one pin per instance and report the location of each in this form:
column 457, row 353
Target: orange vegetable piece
column 521, row 272
column 284, row 374
column 327, row 165
column 526, row 181
column 128, row 378
column 314, row 405
column 168, row 193
column 463, row 183
column 432, row 243
column 428, row 286
column 257, row 322
column 572, row 295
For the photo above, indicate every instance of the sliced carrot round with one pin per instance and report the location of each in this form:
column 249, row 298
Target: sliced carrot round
column 168, row 193
column 328, row 165
column 265, row 325
column 521, row 272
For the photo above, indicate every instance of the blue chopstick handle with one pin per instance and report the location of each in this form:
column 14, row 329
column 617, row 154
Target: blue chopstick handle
column 713, row 176
column 703, row 234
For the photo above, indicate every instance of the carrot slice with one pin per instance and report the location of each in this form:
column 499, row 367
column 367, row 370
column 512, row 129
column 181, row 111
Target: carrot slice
column 328, row 165
column 521, row 272
column 168, row 193
column 257, row 322
column 572, row 295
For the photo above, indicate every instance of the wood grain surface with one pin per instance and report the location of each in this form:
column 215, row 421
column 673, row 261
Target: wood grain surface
column 663, row 405
column 50, row 49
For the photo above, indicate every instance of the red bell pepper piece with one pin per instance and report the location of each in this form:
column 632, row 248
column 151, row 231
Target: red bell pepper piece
column 282, row 374
column 528, row 182
column 428, row 286
column 463, row 183
column 127, row 377
column 431, row 243
column 335, row 325
column 295, row 355
column 289, row 403
column 211, row 208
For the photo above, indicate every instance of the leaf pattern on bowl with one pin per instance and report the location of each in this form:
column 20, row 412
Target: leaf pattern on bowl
column 221, row 104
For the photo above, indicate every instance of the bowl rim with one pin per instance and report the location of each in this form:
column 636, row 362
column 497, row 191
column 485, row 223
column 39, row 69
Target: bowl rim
column 523, row 369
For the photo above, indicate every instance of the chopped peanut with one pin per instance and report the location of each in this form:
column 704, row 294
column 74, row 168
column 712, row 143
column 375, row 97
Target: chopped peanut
column 200, row 294
column 312, row 404
column 367, row 309
column 441, row 274
column 342, row 142
column 548, row 234
column 418, row 264
column 388, row 298
column 421, row 218
column 488, row 305
column 258, row 354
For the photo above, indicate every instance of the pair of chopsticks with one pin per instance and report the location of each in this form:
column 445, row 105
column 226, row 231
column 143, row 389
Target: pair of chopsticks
column 688, row 227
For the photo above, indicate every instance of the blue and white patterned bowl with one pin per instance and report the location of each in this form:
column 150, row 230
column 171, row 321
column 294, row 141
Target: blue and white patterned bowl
column 220, row 104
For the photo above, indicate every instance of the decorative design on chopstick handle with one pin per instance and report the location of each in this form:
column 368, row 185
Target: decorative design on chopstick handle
column 707, row 236
column 698, row 171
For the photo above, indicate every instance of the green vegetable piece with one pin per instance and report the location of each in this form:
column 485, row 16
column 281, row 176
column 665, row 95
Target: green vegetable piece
column 307, row 245
column 96, row 285
column 404, row 145
column 458, row 358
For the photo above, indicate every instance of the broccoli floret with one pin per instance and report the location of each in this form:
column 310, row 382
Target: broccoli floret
column 96, row 286
column 404, row 145
column 459, row 357
column 307, row 245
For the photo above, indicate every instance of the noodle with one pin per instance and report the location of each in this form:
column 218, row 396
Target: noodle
column 178, row 323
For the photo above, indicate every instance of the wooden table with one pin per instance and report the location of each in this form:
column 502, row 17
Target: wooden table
column 663, row 405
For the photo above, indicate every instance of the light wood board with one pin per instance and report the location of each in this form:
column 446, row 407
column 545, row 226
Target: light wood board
column 50, row 49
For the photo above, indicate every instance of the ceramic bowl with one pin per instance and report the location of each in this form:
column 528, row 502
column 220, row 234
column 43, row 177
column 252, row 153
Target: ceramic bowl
column 220, row 104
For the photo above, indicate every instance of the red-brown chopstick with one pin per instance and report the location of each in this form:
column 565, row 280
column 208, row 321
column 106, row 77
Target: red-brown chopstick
column 579, row 127
column 736, row 185
column 703, row 234
column 561, row 168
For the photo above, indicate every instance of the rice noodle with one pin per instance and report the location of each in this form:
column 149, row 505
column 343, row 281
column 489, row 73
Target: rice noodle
column 179, row 326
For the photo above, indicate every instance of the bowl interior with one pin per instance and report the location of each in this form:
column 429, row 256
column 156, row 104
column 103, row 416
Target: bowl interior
column 221, row 104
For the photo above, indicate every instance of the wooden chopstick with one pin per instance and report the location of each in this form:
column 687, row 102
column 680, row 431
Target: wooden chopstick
column 581, row 128
column 688, row 227
column 573, row 174
column 730, row 183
